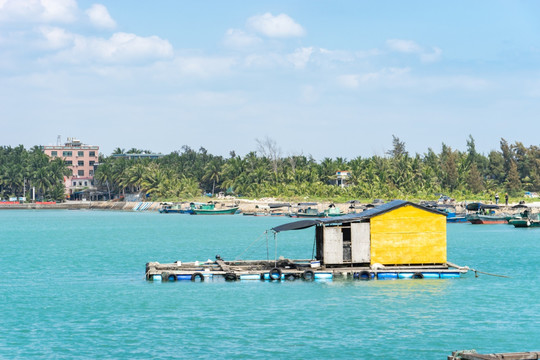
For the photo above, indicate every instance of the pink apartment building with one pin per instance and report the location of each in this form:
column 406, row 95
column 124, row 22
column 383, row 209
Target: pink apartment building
column 80, row 158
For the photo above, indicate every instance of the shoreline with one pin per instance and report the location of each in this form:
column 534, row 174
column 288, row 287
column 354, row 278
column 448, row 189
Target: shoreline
column 244, row 205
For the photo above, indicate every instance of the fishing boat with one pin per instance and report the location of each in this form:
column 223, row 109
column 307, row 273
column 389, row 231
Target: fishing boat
column 526, row 218
column 174, row 208
column 332, row 210
column 485, row 214
column 210, row 209
column 452, row 216
column 306, row 210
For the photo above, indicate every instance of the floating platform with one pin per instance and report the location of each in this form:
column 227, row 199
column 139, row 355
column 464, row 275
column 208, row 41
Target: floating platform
column 290, row 270
column 472, row 355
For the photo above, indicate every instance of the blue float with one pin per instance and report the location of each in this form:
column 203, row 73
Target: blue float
column 387, row 275
column 447, row 275
column 431, row 275
column 183, row 277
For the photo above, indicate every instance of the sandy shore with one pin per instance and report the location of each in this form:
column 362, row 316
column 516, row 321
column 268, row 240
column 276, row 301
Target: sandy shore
column 245, row 205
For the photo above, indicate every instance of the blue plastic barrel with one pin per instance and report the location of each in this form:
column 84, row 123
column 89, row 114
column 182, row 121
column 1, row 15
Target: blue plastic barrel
column 156, row 277
column 431, row 275
column 408, row 275
column 250, row 277
column 183, row 277
column 321, row 276
column 267, row 276
column 387, row 275
column 449, row 275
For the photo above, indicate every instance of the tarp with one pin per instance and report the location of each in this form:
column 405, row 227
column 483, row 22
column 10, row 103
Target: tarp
column 479, row 206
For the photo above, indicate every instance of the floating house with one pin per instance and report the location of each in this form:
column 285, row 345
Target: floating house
column 395, row 233
column 396, row 240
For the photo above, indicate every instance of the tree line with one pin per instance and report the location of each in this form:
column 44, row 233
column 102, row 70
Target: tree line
column 265, row 172
column 189, row 173
column 22, row 170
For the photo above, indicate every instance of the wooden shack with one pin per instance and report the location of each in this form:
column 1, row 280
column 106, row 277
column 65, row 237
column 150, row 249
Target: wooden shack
column 395, row 233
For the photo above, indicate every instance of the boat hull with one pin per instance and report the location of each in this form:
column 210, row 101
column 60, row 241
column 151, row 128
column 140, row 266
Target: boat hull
column 487, row 219
column 230, row 211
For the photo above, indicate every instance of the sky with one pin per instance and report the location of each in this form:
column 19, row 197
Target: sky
column 320, row 78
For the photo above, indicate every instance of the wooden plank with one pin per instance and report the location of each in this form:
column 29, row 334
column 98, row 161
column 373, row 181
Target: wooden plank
column 360, row 243
column 222, row 265
column 333, row 245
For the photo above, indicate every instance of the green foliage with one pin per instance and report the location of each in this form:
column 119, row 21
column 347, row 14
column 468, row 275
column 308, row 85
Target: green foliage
column 21, row 170
column 188, row 173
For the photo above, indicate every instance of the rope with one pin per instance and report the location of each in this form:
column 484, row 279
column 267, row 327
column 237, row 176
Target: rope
column 476, row 272
column 250, row 245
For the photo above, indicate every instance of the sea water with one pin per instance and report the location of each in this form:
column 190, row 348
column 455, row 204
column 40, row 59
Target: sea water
column 73, row 286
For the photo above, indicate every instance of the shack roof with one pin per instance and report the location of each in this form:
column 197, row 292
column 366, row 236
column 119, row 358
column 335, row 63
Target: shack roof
column 368, row 214
column 479, row 206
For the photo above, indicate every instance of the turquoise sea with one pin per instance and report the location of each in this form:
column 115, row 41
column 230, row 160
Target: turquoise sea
column 73, row 287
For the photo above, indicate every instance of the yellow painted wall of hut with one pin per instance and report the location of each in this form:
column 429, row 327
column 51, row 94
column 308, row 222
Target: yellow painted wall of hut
column 408, row 235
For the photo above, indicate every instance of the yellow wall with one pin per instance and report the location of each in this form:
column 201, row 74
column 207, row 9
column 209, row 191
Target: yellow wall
column 408, row 235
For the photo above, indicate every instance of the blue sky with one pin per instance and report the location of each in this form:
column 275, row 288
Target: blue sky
column 320, row 78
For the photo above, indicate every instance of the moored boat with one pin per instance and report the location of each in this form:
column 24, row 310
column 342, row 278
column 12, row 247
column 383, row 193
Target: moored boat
column 306, row 210
column 332, row 210
column 486, row 214
column 174, row 208
column 210, row 209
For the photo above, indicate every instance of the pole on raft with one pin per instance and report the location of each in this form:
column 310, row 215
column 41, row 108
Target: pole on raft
column 275, row 254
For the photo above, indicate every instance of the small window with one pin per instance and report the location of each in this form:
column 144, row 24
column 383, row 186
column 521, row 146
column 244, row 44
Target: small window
column 80, row 183
column 80, row 163
column 91, row 173
column 67, row 153
column 80, row 153
column 86, row 183
column 92, row 153
column 69, row 162
column 74, row 183
column 80, row 173
column 54, row 153
column 91, row 162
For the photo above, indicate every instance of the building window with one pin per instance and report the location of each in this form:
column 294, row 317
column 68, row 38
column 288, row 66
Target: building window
column 80, row 183
column 67, row 153
column 69, row 162
column 92, row 153
column 91, row 163
column 80, row 153
column 80, row 163
column 74, row 183
column 86, row 183
column 80, row 173
column 91, row 172
column 54, row 153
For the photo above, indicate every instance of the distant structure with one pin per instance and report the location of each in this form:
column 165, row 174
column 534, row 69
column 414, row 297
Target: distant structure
column 342, row 177
column 133, row 156
column 80, row 159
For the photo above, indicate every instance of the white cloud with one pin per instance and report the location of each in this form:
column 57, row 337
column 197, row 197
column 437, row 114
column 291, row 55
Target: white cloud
column 203, row 67
column 280, row 26
column 383, row 76
column 239, row 39
column 99, row 16
column 431, row 57
column 40, row 11
column 405, row 46
column 119, row 48
column 300, row 57
column 56, row 38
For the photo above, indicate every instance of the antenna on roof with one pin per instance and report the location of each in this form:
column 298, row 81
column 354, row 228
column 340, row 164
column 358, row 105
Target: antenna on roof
column 59, row 140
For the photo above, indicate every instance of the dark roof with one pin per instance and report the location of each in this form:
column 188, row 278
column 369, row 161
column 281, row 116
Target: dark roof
column 368, row 214
column 478, row 206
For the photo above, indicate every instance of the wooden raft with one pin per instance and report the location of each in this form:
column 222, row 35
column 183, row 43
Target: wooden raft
column 467, row 355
